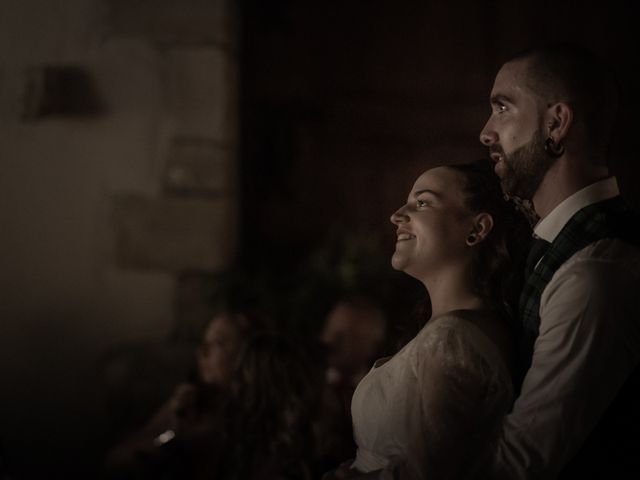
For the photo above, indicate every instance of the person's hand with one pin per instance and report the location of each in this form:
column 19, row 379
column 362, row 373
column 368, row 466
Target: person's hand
column 331, row 475
column 183, row 399
column 344, row 471
column 172, row 413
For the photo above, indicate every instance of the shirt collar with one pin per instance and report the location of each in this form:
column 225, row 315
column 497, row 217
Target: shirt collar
column 549, row 227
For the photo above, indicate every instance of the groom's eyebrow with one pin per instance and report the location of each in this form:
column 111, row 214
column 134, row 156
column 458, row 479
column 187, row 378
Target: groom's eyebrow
column 500, row 99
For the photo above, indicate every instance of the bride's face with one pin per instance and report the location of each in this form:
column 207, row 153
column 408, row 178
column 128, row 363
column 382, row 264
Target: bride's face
column 433, row 226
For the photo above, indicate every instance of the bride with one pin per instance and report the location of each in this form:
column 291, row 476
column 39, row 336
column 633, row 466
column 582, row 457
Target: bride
column 432, row 410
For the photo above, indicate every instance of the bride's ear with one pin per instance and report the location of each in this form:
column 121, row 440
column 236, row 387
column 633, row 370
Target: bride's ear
column 482, row 225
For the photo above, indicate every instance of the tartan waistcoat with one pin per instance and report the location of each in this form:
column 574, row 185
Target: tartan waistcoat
column 606, row 219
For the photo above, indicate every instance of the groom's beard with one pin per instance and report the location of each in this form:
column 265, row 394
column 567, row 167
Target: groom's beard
column 525, row 168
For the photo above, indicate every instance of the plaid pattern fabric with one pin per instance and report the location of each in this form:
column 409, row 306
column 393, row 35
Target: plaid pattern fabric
column 537, row 249
column 606, row 219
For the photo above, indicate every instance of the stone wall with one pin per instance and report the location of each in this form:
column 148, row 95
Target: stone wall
column 118, row 141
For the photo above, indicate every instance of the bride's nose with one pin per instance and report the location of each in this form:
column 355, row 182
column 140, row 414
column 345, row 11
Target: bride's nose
column 399, row 216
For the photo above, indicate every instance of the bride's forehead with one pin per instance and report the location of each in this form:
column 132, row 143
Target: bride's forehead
column 438, row 178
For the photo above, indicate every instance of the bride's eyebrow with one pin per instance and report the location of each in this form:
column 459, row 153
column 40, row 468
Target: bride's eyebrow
column 427, row 190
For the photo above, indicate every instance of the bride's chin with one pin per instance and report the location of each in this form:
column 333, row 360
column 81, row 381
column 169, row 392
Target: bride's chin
column 400, row 261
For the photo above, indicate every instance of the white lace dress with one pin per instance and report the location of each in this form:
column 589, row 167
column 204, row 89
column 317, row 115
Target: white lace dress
column 432, row 410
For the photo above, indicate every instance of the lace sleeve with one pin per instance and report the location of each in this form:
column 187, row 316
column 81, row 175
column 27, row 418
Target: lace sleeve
column 464, row 392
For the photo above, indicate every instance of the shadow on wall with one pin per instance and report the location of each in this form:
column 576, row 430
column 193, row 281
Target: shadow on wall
column 60, row 90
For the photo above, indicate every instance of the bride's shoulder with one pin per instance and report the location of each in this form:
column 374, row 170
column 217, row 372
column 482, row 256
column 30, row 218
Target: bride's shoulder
column 472, row 323
column 465, row 330
column 467, row 338
column 456, row 322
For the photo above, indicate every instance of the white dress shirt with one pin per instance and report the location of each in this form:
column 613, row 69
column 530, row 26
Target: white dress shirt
column 586, row 348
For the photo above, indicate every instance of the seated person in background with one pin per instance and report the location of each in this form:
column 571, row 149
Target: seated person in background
column 185, row 417
column 353, row 336
column 267, row 432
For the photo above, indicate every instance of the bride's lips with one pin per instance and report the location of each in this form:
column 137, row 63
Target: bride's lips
column 403, row 235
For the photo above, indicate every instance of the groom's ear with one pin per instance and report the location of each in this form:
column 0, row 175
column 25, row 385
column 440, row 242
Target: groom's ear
column 482, row 225
column 558, row 118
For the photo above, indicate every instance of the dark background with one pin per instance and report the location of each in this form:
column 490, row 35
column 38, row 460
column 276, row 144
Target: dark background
column 343, row 104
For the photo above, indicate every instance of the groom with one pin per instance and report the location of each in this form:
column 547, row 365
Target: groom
column 577, row 414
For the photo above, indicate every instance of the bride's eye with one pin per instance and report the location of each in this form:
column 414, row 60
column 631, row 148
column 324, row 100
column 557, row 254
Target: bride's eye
column 421, row 203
